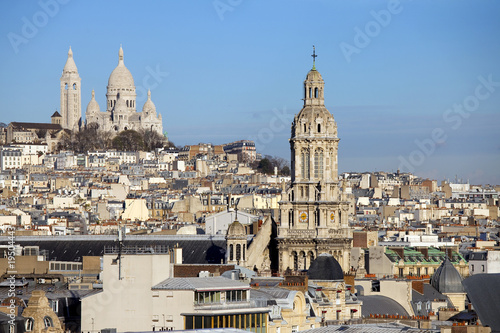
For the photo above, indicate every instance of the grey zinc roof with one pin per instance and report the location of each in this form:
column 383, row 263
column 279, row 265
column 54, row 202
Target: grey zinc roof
column 196, row 249
column 199, row 283
column 484, row 292
column 325, row 267
column 368, row 328
column 375, row 304
column 447, row 279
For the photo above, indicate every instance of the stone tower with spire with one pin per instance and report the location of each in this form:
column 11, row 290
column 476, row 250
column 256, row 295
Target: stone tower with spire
column 71, row 104
column 313, row 214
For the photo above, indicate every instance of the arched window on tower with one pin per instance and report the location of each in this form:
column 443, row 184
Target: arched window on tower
column 231, row 252
column 305, row 164
column 295, row 261
column 74, row 86
column 66, row 86
column 238, row 252
column 290, row 218
column 319, row 128
column 318, row 163
column 316, row 95
column 317, row 218
column 126, row 103
column 305, row 128
column 310, row 92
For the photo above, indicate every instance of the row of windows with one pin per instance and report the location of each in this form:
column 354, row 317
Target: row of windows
column 318, row 128
column 308, row 93
column 318, row 164
column 239, row 252
column 208, row 297
column 253, row 322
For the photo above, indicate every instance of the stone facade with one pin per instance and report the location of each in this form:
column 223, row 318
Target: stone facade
column 313, row 214
column 121, row 112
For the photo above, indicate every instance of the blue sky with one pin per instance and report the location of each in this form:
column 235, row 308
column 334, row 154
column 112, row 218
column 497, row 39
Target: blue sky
column 414, row 85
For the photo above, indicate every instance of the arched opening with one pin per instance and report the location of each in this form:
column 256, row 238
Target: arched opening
column 317, row 217
column 295, row 261
column 302, row 258
column 74, row 86
column 310, row 92
column 318, row 163
column 126, row 103
column 316, row 95
column 290, row 218
column 29, row 324
column 66, row 86
column 305, row 164
column 231, row 252
column 319, row 128
column 116, row 128
column 47, row 321
column 243, row 256
column 238, row 252
column 305, row 128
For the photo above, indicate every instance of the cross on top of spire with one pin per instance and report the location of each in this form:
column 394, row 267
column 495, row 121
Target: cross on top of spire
column 314, row 58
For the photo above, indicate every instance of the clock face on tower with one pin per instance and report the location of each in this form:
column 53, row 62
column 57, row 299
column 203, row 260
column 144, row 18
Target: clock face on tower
column 303, row 217
column 332, row 216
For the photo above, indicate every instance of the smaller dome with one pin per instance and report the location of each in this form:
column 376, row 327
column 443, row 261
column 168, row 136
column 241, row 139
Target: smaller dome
column 313, row 75
column 236, row 229
column 149, row 106
column 325, row 267
column 447, row 279
column 93, row 106
column 70, row 66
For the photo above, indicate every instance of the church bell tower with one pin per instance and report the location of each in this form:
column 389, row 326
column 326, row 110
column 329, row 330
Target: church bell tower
column 313, row 215
column 71, row 104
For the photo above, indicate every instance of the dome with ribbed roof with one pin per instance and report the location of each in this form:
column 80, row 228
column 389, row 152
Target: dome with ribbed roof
column 314, row 75
column 120, row 77
column 149, row 107
column 447, row 279
column 93, row 106
column 236, row 229
column 70, row 66
column 325, row 267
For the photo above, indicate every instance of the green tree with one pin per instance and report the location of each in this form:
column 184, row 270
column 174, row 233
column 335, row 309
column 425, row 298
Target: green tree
column 128, row 140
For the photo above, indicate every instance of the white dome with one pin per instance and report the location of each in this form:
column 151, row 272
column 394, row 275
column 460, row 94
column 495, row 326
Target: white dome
column 149, row 107
column 121, row 77
column 93, row 106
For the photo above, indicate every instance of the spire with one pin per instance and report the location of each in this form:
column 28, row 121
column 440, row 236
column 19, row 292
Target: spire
column 70, row 66
column 314, row 58
column 93, row 94
column 120, row 56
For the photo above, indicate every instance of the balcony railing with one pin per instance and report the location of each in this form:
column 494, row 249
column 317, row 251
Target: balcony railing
column 253, row 303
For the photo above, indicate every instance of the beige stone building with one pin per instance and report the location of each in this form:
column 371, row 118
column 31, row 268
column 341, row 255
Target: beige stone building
column 313, row 214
